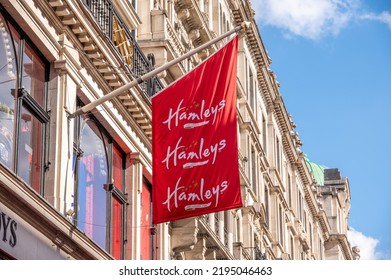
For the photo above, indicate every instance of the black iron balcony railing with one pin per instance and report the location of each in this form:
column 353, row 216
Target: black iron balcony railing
column 113, row 26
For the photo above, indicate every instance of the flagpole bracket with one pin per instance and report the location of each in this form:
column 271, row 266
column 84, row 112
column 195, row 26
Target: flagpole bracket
column 139, row 80
column 68, row 113
column 66, row 110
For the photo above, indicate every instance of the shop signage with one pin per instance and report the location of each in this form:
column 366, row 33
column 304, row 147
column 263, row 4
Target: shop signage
column 8, row 228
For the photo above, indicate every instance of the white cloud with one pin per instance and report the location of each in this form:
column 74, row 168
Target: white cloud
column 384, row 17
column 366, row 244
column 307, row 18
column 313, row 19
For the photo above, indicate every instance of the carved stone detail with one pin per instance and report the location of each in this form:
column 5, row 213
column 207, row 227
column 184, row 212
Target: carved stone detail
column 184, row 235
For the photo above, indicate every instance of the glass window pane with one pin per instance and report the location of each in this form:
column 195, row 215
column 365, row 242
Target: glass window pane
column 117, row 168
column 7, row 92
column 116, row 228
column 146, row 223
column 30, row 150
column 33, row 80
column 92, row 182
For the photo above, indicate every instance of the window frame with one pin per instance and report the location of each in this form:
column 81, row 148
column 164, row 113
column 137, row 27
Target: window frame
column 112, row 191
column 24, row 100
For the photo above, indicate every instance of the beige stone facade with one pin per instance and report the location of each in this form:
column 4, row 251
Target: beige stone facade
column 93, row 198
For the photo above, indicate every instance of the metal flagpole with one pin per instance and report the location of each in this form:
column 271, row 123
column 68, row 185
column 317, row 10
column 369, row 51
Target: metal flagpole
column 122, row 89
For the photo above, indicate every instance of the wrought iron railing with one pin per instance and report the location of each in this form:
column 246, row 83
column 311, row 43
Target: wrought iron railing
column 105, row 14
column 102, row 10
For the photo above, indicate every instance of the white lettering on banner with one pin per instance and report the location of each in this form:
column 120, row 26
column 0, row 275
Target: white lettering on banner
column 193, row 116
column 193, row 155
column 200, row 198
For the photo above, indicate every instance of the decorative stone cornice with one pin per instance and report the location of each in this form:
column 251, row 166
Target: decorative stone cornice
column 193, row 19
column 75, row 18
column 342, row 240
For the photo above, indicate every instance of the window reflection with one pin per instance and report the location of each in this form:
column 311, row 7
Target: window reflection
column 22, row 111
column 29, row 149
column 116, row 228
column 100, row 203
column 33, row 80
column 92, row 180
column 7, row 88
column 6, row 135
column 117, row 168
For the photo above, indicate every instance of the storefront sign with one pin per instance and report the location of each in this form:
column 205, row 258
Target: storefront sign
column 21, row 240
column 8, row 229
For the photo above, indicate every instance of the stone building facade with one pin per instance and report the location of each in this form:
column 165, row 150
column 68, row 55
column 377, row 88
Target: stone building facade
column 80, row 188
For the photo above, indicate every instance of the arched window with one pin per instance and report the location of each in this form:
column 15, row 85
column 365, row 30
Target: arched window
column 99, row 186
column 92, row 182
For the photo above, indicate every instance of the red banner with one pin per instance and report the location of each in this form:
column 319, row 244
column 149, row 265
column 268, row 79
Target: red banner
column 194, row 141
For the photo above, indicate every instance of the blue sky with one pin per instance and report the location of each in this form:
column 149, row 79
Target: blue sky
column 332, row 59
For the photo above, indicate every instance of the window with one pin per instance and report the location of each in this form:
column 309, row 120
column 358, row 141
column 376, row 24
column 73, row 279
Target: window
column 99, row 183
column 278, row 155
column 311, row 232
column 305, row 225
column 223, row 24
column 289, row 190
column 300, row 206
column 147, row 242
column 267, row 205
column 117, row 226
column 118, row 202
column 292, row 247
column 264, row 139
column 220, row 16
column 251, row 90
column 23, row 116
column 123, row 41
column 254, row 167
column 281, row 223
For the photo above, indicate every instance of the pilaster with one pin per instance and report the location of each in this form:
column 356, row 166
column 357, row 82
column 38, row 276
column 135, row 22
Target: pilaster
column 136, row 177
